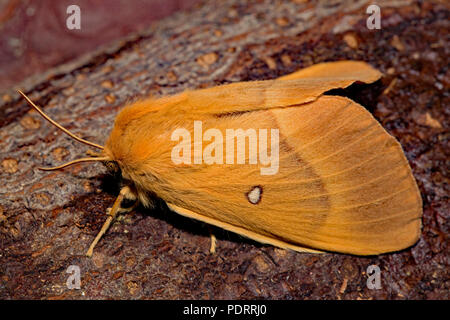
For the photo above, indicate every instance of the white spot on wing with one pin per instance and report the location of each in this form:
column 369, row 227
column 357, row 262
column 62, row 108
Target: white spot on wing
column 254, row 196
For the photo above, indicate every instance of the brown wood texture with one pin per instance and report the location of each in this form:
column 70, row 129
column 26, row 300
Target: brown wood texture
column 47, row 220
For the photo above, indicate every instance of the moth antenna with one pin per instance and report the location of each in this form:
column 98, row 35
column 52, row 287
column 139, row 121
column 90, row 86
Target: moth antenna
column 74, row 162
column 53, row 122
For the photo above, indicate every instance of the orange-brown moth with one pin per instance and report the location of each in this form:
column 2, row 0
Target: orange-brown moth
column 340, row 182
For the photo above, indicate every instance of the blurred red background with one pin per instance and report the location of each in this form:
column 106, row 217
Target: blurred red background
column 34, row 36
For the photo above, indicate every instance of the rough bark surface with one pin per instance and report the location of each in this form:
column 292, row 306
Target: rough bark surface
column 47, row 220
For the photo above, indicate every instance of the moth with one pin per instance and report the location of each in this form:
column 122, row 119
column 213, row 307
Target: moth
column 333, row 179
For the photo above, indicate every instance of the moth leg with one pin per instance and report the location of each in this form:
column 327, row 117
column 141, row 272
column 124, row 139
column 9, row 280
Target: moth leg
column 212, row 249
column 119, row 206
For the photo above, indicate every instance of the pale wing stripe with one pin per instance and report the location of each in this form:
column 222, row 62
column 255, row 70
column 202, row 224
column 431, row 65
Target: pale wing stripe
column 240, row 230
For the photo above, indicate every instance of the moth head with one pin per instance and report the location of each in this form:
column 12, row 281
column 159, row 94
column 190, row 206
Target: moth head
column 113, row 168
